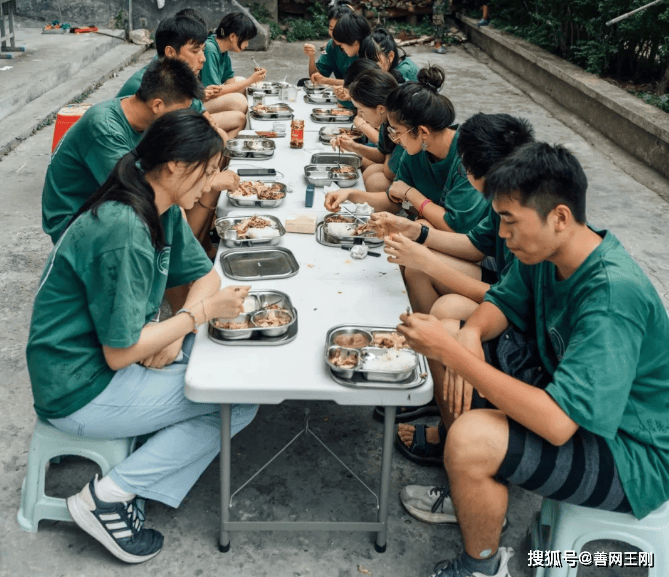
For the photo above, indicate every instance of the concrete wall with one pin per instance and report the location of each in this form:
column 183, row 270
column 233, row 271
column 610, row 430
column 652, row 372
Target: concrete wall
column 104, row 12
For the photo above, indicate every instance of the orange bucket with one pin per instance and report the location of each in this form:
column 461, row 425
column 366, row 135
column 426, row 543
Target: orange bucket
column 67, row 116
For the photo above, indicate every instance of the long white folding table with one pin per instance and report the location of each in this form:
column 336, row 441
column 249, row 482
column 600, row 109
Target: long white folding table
column 331, row 288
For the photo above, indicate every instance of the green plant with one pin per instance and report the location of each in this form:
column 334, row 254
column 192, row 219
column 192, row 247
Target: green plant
column 307, row 29
column 262, row 15
column 119, row 20
column 661, row 102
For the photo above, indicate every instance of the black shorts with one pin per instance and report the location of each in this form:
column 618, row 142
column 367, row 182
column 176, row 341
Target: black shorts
column 489, row 274
column 582, row 471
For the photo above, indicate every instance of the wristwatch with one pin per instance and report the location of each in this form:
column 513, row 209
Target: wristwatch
column 422, row 237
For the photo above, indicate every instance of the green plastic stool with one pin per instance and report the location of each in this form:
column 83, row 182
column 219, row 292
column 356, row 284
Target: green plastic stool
column 570, row 527
column 49, row 443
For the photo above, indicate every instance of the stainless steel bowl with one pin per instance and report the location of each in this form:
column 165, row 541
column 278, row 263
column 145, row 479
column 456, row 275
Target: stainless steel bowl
column 242, row 201
column 232, row 334
column 272, row 331
column 343, row 372
column 349, row 331
column 385, row 376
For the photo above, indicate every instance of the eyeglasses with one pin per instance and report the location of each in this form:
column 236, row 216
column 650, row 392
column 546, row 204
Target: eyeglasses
column 394, row 136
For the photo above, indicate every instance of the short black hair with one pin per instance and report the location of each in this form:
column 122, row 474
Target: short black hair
column 351, row 28
column 192, row 13
column 542, row 176
column 171, row 80
column 237, row 23
column 485, row 139
column 420, row 104
column 338, row 9
column 372, row 87
column 357, row 68
column 177, row 31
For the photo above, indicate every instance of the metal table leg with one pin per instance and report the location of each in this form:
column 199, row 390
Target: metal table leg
column 386, row 461
column 224, row 536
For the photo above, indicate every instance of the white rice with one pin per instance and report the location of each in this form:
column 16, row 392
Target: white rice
column 392, row 360
column 341, row 228
column 267, row 232
column 250, row 305
column 240, row 196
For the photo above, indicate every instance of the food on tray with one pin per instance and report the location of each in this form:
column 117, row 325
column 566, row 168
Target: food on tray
column 393, row 360
column 351, row 132
column 345, row 170
column 265, row 109
column 337, row 218
column 256, row 227
column 274, row 318
column 351, row 341
column 254, row 145
column 363, row 229
column 231, row 325
column 340, row 112
column 345, row 361
column 389, row 341
column 267, row 134
column 256, row 190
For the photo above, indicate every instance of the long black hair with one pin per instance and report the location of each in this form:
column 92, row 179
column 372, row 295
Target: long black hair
column 381, row 42
column 178, row 136
column 351, row 28
column 419, row 103
column 237, row 23
column 371, row 89
column 357, row 68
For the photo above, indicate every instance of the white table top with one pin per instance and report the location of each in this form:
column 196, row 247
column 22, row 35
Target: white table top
column 331, row 288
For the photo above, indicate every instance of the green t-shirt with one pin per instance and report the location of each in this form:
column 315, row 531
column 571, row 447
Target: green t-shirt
column 102, row 283
column 602, row 334
column 334, row 62
column 408, row 69
column 444, row 185
column 485, row 237
column 217, row 66
column 82, row 162
column 133, row 83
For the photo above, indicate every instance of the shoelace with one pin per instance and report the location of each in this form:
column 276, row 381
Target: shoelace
column 455, row 568
column 136, row 516
column 443, row 493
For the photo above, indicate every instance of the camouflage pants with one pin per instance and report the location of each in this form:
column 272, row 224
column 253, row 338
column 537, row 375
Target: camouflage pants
column 438, row 18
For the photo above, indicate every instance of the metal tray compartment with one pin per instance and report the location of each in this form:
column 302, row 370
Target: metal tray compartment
column 344, row 372
column 276, row 111
column 321, row 238
column 335, row 158
column 325, row 115
column 226, row 225
column 269, row 88
column 245, row 201
column 323, row 175
column 311, row 88
column 372, row 379
column 258, row 336
column 338, row 238
column 250, row 148
column 327, row 133
column 320, row 97
column 259, row 264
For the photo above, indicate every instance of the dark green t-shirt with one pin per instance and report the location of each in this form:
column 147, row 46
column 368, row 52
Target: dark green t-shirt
column 334, row 62
column 602, row 334
column 217, row 66
column 133, row 83
column 443, row 183
column 408, row 69
column 102, row 283
column 485, row 237
column 82, row 162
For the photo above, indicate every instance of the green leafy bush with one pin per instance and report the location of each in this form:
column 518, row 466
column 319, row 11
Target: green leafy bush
column 307, row 29
column 662, row 102
column 262, row 15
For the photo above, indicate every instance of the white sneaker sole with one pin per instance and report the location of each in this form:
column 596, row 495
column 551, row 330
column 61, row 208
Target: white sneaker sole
column 85, row 519
column 428, row 516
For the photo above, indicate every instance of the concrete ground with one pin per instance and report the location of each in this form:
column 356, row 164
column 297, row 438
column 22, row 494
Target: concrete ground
column 305, row 482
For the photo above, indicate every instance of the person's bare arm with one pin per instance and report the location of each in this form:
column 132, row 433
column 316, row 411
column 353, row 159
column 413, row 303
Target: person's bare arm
column 378, row 200
column 240, row 85
column 530, row 406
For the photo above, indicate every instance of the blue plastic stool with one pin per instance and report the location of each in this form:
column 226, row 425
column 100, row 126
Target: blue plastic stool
column 570, row 527
column 49, row 443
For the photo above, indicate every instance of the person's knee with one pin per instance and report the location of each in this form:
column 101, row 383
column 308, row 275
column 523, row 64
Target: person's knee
column 239, row 119
column 240, row 102
column 476, row 443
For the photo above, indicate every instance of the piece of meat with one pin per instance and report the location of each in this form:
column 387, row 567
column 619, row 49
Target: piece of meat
column 352, row 341
column 362, row 229
column 273, row 319
column 229, row 325
column 251, row 222
column 343, row 361
column 338, row 218
column 389, row 341
column 344, row 170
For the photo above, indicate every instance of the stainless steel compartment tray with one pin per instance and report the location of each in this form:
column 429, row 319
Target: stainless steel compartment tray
column 326, row 240
column 269, row 88
column 331, row 119
column 327, row 113
column 320, row 97
column 275, row 111
column 259, row 263
column 311, row 88
column 246, row 202
column 327, row 133
column 335, row 158
column 320, row 175
column 250, row 148
column 418, row 376
column 228, row 222
column 256, row 338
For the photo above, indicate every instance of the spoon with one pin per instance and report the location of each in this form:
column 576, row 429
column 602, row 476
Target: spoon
column 353, row 215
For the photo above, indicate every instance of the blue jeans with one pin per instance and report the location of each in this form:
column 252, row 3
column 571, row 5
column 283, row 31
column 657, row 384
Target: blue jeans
column 187, row 436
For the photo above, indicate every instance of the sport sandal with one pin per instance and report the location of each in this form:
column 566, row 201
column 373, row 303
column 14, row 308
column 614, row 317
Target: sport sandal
column 118, row 526
column 456, row 568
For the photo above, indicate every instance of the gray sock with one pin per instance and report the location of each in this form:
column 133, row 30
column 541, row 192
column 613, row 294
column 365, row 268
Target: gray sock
column 488, row 566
